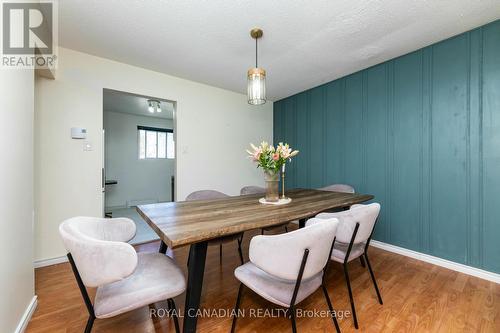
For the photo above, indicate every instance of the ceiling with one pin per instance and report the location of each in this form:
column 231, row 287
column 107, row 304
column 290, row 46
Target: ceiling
column 118, row 101
column 306, row 42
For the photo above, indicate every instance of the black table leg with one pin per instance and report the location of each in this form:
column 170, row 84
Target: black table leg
column 302, row 223
column 163, row 247
column 197, row 256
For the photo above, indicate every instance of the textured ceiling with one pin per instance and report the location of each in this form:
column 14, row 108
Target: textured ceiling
column 117, row 101
column 306, row 43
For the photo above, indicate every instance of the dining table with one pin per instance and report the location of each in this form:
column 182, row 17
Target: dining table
column 194, row 223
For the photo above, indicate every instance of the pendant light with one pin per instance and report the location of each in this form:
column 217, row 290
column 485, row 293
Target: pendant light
column 154, row 105
column 256, row 77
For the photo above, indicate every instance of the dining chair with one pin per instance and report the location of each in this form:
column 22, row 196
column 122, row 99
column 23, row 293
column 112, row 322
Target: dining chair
column 125, row 280
column 285, row 269
column 344, row 188
column 353, row 237
column 247, row 190
column 212, row 195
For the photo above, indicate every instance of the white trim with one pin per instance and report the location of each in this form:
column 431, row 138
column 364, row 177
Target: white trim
column 49, row 262
column 477, row 272
column 23, row 323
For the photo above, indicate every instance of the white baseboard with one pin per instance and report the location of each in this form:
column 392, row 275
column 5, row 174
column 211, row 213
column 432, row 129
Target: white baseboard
column 49, row 262
column 25, row 319
column 477, row 272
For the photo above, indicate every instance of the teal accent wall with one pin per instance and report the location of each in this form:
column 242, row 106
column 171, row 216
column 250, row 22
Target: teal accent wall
column 420, row 132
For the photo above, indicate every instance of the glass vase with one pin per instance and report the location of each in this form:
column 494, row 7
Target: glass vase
column 272, row 186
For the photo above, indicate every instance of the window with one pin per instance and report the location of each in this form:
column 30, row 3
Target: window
column 155, row 143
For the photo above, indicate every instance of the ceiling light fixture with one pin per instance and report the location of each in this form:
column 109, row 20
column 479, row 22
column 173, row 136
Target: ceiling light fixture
column 256, row 77
column 154, row 105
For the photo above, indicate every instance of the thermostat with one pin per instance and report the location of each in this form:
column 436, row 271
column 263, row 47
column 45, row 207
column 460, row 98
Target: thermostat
column 78, row 133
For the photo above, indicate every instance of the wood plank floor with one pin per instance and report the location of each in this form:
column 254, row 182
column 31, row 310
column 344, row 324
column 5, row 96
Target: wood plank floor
column 418, row 297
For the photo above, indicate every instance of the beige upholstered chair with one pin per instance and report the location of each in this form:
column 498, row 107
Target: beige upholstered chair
column 344, row 188
column 125, row 280
column 285, row 269
column 354, row 233
column 248, row 190
column 212, row 195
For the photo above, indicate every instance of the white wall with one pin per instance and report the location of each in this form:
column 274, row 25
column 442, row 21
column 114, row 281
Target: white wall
column 214, row 127
column 137, row 179
column 16, row 196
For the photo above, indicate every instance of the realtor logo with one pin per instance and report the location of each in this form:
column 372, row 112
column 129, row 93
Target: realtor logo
column 28, row 34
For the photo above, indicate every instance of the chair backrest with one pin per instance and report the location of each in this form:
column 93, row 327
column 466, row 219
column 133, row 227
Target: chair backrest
column 281, row 255
column 252, row 190
column 365, row 215
column 98, row 248
column 338, row 188
column 206, row 195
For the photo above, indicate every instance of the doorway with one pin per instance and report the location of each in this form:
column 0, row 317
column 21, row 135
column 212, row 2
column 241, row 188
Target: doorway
column 139, row 156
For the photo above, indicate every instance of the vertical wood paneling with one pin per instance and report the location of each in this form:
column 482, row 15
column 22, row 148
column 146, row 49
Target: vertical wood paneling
column 278, row 127
column 302, row 160
column 353, row 156
column 421, row 133
column 317, row 110
column 426, row 134
column 406, row 185
column 491, row 146
column 475, row 130
column 375, row 138
column 290, row 138
column 335, row 134
column 449, row 145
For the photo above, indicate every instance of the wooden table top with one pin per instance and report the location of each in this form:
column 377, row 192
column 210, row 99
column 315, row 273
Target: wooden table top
column 187, row 222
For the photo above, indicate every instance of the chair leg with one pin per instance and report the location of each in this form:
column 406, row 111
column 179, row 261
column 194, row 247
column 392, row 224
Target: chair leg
column 240, row 251
column 220, row 253
column 85, row 295
column 286, row 229
column 236, row 308
column 330, row 307
column 163, row 247
column 173, row 309
column 292, row 318
column 362, row 261
column 373, row 279
column 346, row 273
column 90, row 323
column 261, row 231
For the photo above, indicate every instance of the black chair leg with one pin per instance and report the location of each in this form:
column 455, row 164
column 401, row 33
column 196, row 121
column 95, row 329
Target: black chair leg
column 163, row 247
column 261, row 231
column 240, row 251
column 346, row 273
column 362, row 261
column 330, row 307
column 292, row 318
column 236, row 308
column 90, row 323
column 286, row 229
column 173, row 310
column 373, row 279
column 220, row 253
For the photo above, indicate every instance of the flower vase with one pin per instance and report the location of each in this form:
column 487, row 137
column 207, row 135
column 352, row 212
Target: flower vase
column 272, row 186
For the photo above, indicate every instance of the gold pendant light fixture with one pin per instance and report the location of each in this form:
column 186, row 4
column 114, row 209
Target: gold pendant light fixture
column 256, row 77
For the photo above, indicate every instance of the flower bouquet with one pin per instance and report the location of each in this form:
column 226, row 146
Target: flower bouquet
column 272, row 161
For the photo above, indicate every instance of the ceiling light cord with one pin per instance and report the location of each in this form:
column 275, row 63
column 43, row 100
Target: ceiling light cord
column 256, row 64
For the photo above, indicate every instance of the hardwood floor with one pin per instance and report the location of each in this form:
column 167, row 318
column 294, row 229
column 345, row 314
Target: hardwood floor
column 418, row 297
